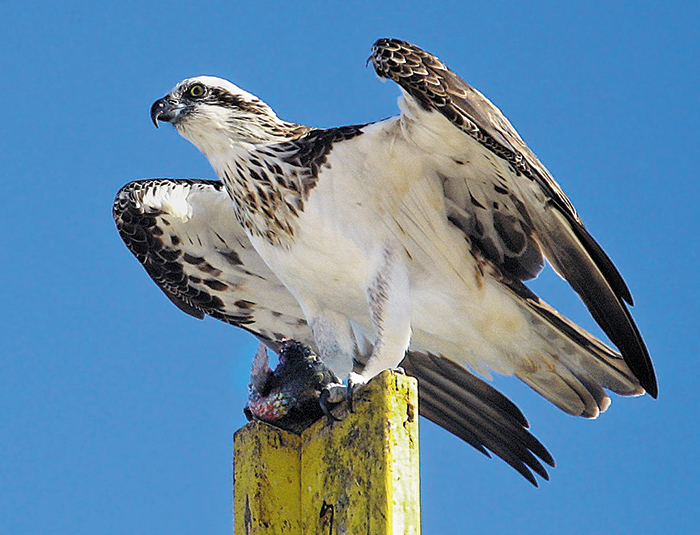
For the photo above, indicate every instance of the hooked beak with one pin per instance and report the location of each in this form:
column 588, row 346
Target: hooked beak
column 165, row 109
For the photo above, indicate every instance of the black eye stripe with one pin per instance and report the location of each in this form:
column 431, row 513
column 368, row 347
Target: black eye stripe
column 219, row 97
column 226, row 99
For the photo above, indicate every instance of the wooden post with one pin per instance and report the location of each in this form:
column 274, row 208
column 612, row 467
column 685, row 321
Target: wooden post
column 266, row 469
column 359, row 475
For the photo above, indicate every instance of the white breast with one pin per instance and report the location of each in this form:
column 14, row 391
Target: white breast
column 379, row 190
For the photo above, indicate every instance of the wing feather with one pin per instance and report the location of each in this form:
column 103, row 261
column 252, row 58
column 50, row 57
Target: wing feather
column 476, row 412
column 549, row 216
column 185, row 235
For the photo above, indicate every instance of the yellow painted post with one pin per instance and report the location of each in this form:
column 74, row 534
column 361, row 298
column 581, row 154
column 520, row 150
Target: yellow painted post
column 266, row 470
column 359, row 475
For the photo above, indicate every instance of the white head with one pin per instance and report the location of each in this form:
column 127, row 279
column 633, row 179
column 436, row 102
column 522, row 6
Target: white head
column 213, row 114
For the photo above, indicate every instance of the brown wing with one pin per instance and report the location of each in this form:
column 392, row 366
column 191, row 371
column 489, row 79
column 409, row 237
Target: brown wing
column 547, row 216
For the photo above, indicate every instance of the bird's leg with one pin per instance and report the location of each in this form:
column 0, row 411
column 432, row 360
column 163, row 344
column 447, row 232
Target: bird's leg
column 388, row 296
column 335, row 340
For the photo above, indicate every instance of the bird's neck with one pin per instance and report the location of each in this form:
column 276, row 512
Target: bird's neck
column 264, row 129
column 225, row 135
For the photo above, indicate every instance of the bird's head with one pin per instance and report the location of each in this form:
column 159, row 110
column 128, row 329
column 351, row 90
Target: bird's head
column 213, row 113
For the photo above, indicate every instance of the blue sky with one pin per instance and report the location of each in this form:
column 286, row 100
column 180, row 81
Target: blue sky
column 117, row 410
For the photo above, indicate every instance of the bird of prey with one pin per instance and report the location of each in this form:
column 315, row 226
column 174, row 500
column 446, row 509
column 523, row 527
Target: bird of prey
column 405, row 241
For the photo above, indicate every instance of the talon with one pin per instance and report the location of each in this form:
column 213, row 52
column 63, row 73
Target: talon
column 399, row 370
column 351, row 392
column 331, row 394
column 354, row 380
column 336, row 392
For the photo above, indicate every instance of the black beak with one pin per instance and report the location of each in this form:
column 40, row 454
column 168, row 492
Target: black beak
column 163, row 109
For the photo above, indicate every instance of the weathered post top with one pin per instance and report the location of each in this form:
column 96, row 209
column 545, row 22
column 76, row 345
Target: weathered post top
column 358, row 475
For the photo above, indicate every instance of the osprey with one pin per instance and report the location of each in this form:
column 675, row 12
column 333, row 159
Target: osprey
column 402, row 242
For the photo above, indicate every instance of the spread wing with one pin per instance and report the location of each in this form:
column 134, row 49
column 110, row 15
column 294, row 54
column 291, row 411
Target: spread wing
column 511, row 208
column 185, row 235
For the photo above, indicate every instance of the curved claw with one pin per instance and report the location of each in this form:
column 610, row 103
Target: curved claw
column 331, row 394
column 350, row 394
column 354, row 380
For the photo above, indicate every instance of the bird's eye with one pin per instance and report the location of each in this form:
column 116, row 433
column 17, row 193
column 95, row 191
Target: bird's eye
column 196, row 91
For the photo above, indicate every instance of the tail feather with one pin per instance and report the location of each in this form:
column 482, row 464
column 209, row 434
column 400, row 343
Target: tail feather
column 457, row 400
column 567, row 392
column 579, row 259
column 574, row 367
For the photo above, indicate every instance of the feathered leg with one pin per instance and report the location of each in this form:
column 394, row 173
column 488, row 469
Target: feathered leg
column 388, row 296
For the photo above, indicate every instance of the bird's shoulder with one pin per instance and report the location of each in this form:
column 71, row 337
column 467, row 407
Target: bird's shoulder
column 310, row 151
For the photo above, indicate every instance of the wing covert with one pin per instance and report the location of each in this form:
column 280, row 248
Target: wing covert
column 544, row 218
column 185, row 235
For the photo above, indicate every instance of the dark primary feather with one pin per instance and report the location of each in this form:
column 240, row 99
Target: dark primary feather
column 476, row 412
column 252, row 297
column 557, row 228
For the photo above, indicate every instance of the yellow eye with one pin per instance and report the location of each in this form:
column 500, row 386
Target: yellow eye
column 196, row 91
